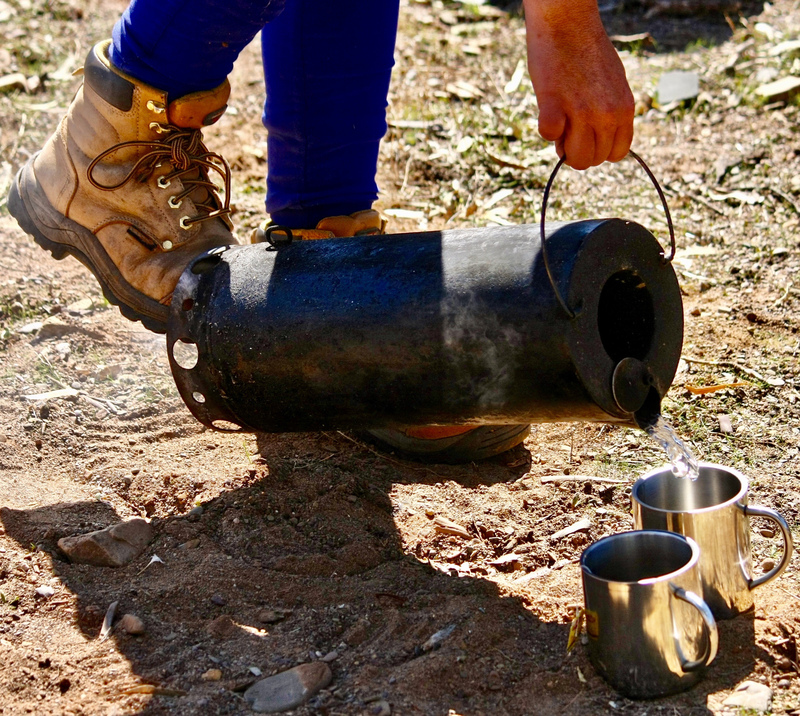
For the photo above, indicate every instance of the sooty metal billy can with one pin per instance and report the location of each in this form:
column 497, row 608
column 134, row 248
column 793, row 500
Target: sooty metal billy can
column 440, row 327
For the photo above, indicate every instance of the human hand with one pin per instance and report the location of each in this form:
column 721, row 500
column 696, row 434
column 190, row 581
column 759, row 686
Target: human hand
column 585, row 104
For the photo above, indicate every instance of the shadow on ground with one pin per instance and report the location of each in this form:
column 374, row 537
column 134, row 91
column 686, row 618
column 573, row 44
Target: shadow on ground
column 313, row 538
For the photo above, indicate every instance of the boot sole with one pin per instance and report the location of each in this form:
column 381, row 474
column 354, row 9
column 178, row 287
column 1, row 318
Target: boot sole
column 62, row 237
column 479, row 444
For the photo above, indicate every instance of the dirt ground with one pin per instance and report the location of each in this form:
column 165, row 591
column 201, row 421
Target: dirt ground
column 333, row 537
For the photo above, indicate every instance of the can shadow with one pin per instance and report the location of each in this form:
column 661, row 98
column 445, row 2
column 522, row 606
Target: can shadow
column 316, row 545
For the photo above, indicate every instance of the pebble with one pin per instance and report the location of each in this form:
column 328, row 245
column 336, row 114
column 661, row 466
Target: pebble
column 222, row 627
column 131, row 624
column 288, row 689
column 780, row 89
column 195, row 513
column 677, row 86
column 784, row 684
column 45, row 591
column 784, row 663
column 211, row 675
column 750, row 695
column 272, row 616
column 767, row 533
column 330, row 656
column 219, row 600
column 437, row 639
column 113, row 546
column 191, row 544
column 380, row 708
column 767, row 565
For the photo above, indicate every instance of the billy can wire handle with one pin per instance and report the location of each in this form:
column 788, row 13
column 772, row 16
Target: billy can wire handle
column 664, row 258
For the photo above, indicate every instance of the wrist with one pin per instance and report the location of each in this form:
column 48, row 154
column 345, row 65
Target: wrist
column 562, row 17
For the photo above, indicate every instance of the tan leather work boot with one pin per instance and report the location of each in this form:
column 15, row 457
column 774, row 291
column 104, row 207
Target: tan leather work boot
column 124, row 185
column 429, row 443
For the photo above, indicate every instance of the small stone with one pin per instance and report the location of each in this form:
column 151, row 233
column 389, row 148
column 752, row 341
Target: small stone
column 211, row 675
column 270, row 616
column 288, row 689
column 45, row 591
column 750, row 695
column 784, row 684
column 784, row 663
column 222, row 627
column 113, row 546
column 330, row 656
column 380, row 708
column 28, row 327
column 725, row 425
column 767, row 565
column 255, row 671
column 54, row 327
column 219, row 600
column 131, row 624
column 768, row 533
column 191, row 544
column 677, row 86
column 779, row 90
column 195, row 513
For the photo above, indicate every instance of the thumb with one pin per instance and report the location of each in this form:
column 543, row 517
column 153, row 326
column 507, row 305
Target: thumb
column 552, row 119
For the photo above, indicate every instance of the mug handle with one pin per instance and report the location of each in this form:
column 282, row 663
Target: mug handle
column 712, row 636
column 759, row 511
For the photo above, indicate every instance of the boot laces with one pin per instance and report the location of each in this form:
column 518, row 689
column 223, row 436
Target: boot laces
column 191, row 160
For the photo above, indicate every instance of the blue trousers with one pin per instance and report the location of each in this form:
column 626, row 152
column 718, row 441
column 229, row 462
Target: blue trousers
column 327, row 66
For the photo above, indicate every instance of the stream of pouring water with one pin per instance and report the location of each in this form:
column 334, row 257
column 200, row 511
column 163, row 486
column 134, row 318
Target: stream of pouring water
column 684, row 463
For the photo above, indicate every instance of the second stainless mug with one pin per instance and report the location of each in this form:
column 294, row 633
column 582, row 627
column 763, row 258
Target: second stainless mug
column 713, row 511
column 650, row 634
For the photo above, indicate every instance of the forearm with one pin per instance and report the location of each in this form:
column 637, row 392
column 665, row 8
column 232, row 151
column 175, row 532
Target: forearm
column 585, row 103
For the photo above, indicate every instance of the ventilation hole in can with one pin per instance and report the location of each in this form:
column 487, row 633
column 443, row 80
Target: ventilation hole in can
column 188, row 304
column 206, row 263
column 226, row 426
column 185, row 354
column 198, row 397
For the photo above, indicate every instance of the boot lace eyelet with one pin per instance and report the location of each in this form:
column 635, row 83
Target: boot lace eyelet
column 163, row 182
column 185, row 223
column 175, row 203
column 158, row 128
column 156, row 107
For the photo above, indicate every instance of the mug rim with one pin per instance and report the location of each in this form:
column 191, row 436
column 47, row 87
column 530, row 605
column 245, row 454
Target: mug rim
column 744, row 482
column 692, row 562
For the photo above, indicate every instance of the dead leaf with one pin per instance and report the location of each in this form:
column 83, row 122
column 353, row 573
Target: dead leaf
column 448, row 527
column 464, row 90
column 581, row 524
column 705, row 389
column 575, row 630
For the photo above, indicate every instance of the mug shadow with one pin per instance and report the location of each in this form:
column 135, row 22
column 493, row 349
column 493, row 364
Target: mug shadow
column 306, row 561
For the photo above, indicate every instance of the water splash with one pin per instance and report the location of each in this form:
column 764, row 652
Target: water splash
column 684, row 463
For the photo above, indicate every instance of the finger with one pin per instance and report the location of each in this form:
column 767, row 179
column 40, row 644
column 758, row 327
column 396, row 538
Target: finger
column 579, row 146
column 622, row 142
column 552, row 120
column 603, row 144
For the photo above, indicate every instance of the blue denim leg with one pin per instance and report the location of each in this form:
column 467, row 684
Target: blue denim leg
column 184, row 46
column 327, row 65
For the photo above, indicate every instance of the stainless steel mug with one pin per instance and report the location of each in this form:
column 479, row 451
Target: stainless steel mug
column 713, row 511
column 650, row 634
